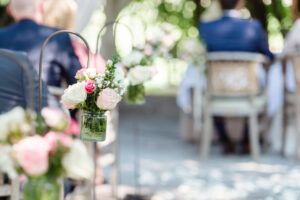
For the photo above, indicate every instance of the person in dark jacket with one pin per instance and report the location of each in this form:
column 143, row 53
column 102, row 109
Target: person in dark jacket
column 28, row 35
column 231, row 33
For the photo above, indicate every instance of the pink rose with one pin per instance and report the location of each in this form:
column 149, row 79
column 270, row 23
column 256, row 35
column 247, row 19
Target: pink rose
column 55, row 118
column 108, row 99
column 80, row 73
column 32, row 154
column 53, row 138
column 148, row 50
column 73, row 128
column 90, row 86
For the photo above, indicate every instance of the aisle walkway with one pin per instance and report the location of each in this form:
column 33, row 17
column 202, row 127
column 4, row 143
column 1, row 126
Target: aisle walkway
column 170, row 168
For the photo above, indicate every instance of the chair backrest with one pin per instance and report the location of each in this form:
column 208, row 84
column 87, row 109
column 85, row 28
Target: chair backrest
column 233, row 73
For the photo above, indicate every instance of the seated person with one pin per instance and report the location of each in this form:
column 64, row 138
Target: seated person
column 14, row 87
column 28, row 35
column 231, row 33
column 61, row 14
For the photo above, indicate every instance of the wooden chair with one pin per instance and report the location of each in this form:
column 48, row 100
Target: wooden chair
column 11, row 189
column 291, row 106
column 233, row 91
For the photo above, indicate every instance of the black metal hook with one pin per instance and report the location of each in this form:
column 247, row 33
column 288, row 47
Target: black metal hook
column 109, row 24
column 41, row 58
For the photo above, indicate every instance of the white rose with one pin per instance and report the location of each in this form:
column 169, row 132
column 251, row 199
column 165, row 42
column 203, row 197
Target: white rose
column 77, row 163
column 7, row 164
column 91, row 72
column 134, row 58
column 140, row 74
column 74, row 95
column 108, row 99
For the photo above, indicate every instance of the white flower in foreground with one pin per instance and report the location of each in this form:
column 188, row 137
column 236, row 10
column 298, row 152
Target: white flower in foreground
column 108, row 99
column 134, row 58
column 77, row 163
column 11, row 122
column 140, row 74
column 6, row 162
column 74, row 95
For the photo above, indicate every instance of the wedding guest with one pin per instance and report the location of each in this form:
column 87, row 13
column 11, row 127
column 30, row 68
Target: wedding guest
column 28, row 35
column 232, row 33
column 61, row 14
column 14, row 83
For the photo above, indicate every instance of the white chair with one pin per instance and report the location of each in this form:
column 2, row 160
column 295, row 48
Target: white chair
column 11, row 189
column 233, row 91
column 291, row 103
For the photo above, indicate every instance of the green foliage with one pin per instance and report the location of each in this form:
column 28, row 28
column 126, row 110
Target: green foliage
column 183, row 13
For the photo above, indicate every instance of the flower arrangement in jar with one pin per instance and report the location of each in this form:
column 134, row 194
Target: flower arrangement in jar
column 139, row 68
column 44, row 160
column 95, row 93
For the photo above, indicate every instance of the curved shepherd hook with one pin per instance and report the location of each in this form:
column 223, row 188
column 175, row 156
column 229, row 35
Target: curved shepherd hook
column 29, row 76
column 41, row 58
column 110, row 24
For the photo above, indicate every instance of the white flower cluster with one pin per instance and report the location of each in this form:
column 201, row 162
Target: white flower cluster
column 110, row 86
column 134, row 58
column 137, row 65
column 141, row 74
column 13, row 121
column 117, row 83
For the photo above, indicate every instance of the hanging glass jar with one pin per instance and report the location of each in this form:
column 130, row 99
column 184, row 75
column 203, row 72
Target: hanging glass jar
column 136, row 94
column 42, row 188
column 93, row 126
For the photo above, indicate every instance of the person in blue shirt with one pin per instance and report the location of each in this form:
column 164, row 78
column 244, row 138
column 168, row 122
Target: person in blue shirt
column 232, row 33
column 28, row 35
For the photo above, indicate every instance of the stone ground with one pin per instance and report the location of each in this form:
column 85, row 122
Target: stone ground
column 170, row 169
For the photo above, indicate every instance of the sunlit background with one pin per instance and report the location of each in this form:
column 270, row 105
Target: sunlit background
column 176, row 174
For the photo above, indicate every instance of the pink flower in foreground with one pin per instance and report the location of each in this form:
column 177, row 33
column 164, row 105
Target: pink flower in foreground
column 73, row 128
column 55, row 118
column 108, row 99
column 90, row 86
column 80, row 73
column 53, row 138
column 32, row 155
